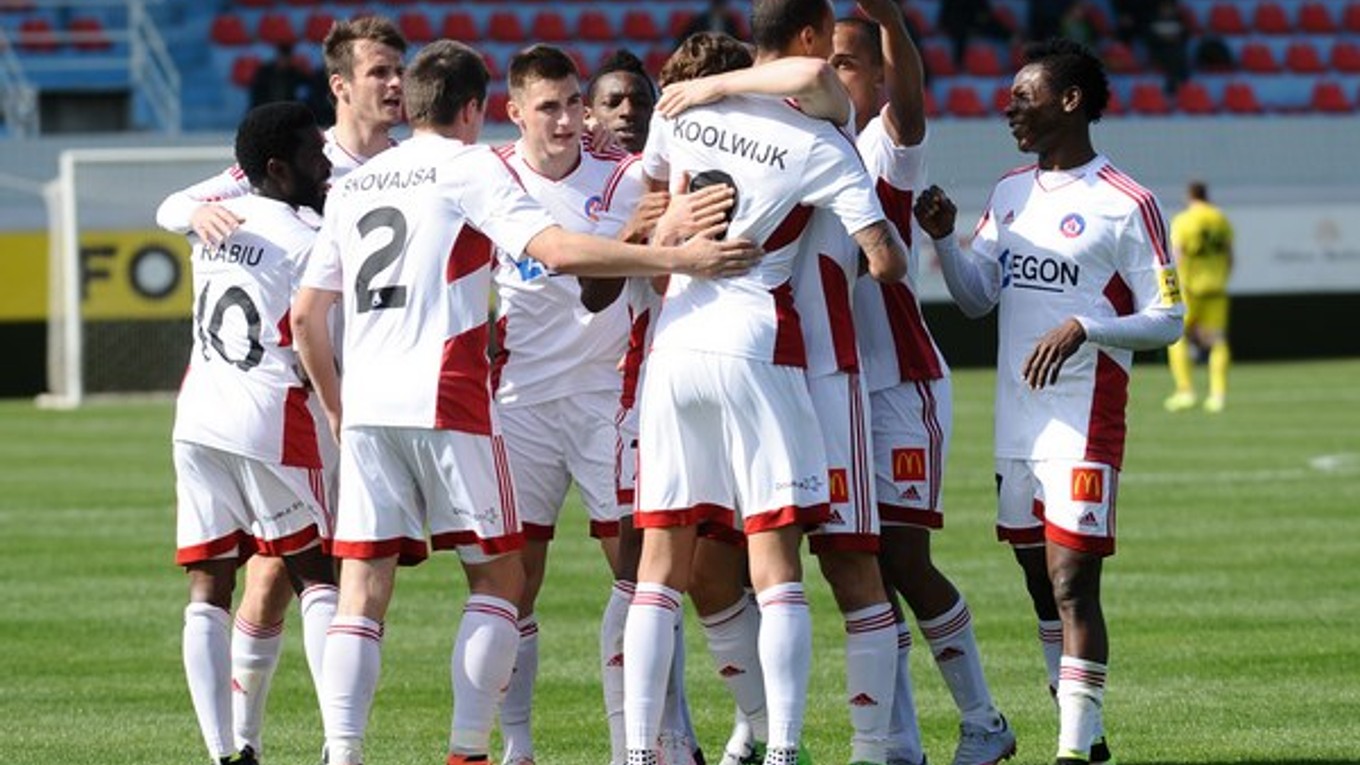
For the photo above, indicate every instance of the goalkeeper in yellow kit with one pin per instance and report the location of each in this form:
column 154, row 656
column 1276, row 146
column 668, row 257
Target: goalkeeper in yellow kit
column 1202, row 240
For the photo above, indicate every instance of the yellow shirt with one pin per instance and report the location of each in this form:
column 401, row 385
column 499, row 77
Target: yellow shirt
column 1204, row 238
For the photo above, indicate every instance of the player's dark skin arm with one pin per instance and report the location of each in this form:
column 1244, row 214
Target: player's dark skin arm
column 598, row 294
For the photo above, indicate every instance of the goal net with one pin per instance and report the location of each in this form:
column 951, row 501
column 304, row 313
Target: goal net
column 119, row 287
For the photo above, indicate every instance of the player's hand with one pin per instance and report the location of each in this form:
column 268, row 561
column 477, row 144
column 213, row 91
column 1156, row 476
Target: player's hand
column 1055, row 347
column 679, row 96
column 601, row 139
column 214, row 223
column 881, row 11
column 649, row 210
column 709, row 258
column 334, row 419
column 688, row 214
column 935, row 212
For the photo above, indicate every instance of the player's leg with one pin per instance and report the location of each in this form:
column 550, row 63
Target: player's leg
column 730, row 618
column 904, row 731
column 1180, row 358
column 256, row 641
column 481, row 668
column 312, row 575
column 1214, row 335
column 1019, row 523
column 785, row 640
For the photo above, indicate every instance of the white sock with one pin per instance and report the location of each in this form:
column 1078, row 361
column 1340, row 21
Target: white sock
column 1081, row 693
column 905, row 731
column 207, row 667
column 954, row 647
column 351, row 663
column 786, row 658
column 611, row 666
column 317, row 604
column 255, row 652
column 870, row 649
column 733, row 636
column 742, row 739
column 481, row 668
column 1050, row 639
column 675, row 712
column 647, row 646
column 518, row 704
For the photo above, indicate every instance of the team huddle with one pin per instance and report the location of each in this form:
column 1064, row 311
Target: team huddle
column 705, row 319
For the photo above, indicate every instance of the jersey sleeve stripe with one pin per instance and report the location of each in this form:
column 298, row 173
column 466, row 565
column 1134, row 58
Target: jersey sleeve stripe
column 616, row 177
column 1147, row 207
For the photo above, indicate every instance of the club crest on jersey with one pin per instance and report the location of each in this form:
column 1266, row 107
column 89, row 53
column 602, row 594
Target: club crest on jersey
column 593, row 207
column 1072, row 225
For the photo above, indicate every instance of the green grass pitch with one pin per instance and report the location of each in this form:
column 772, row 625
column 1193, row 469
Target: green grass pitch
column 1233, row 604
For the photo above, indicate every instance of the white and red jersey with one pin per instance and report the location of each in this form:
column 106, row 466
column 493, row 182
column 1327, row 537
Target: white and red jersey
column 242, row 392
column 895, row 345
column 644, row 305
column 822, row 282
column 783, row 164
column 408, row 240
column 173, row 213
column 1088, row 243
column 550, row 345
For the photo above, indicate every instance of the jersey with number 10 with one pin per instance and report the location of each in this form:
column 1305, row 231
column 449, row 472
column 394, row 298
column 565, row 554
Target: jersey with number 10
column 408, row 241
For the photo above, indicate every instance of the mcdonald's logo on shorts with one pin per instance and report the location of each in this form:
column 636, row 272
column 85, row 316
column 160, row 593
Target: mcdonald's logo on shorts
column 840, row 485
column 1088, row 485
column 909, row 464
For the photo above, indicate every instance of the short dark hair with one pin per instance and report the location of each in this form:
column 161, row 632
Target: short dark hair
column 271, row 131
column 539, row 62
column 871, row 33
column 1198, row 190
column 703, row 54
column 338, row 48
column 1070, row 64
column 444, row 77
column 775, row 23
column 623, row 61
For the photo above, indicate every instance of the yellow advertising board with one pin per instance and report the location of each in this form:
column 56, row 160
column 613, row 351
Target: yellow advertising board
column 123, row 275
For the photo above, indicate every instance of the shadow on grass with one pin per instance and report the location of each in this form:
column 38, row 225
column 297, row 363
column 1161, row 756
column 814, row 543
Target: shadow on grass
column 1278, row 761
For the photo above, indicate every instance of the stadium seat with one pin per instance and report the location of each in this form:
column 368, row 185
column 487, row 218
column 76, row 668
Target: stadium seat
column 1350, row 18
column 1115, row 106
column 1346, row 57
column 1099, row 21
column 36, row 36
column 917, row 20
column 504, row 26
column 496, row 106
column 1193, row 98
column 1191, row 20
column 678, row 22
column 1001, row 98
column 493, row 67
column 243, row 70
column 583, row 69
column 1329, row 98
column 655, row 59
column 1315, row 18
column 1119, row 58
column 460, row 26
column 416, row 27
column 1005, row 15
column 1226, row 19
column 1240, row 98
column 639, row 25
column 229, row 30
column 938, row 60
column 932, row 105
column 1270, row 18
column 1148, row 98
column 1303, row 58
column 255, row 3
column 87, row 33
column 302, row 3
column 594, row 26
column 316, row 26
column 1257, row 57
column 276, row 29
column 980, row 60
column 549, row 27
column 963, row 101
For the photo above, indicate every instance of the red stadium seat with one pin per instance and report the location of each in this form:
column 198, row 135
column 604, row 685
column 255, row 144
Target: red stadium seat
column 1259, row 58
column 317, row 25
column 932, row 106
column 87, row 33
column 493, row 67
column 416, row 27
column 1346, row 57
column 1329, row 98
column 1001, row 98
column 1099, row 21
column 583, row 69
column 255, row 3
column 1302, row 58
column 1315, row 18
column 505, row 26
column 938, row 60
column 549, row 27
column 496, row 104
column 228, row 29
column 1240, row 98
column 916, row 20
column 243, row 70
column 1115, row 106
column 963, row 101
column 461, row 27
column 1148, row 98
column 1350, row 18
column 980, row 60
column 594, row 26
column 1271, row 18
column 302, row 3
column 1005, row 16
column 656, row 58
column 36, row 36
column 639, row 25
column 679, row 22
column 276, row 29
column 1119, row 58
column 1226, row 19
column 1193, row 98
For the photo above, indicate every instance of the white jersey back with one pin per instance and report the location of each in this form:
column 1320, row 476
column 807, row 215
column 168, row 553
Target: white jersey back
column 550, row 345
column 242, row 392
column 783, row 163
column 895, row 345
column 1087, row 241
column 408, row 241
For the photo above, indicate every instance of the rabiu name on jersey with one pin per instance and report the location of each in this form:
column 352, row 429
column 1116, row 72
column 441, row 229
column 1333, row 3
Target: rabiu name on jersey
column 735, row 144
column 1033, row 272
column 234, row 252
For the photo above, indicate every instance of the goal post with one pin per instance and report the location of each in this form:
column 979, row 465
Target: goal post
column 118, row 286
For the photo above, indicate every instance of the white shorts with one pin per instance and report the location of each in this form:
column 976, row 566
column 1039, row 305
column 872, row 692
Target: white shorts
column 1067, row 502
column 231, row 506
column 722, row 436
column 841, row 402
column 398, row 483
column 911, row 440
column 555, row 442
column 625, row 459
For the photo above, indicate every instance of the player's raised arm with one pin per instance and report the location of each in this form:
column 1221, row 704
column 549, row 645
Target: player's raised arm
column 904, row 117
